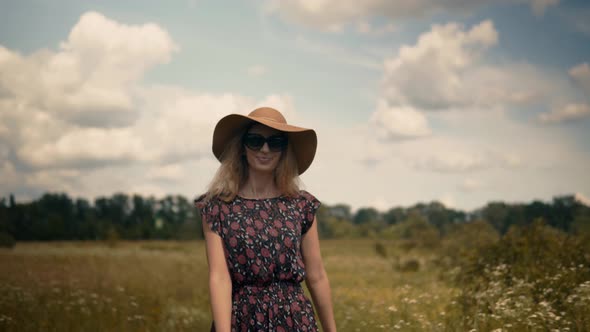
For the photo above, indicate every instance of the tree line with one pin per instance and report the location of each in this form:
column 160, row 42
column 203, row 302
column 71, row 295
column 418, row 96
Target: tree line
column 56, row 216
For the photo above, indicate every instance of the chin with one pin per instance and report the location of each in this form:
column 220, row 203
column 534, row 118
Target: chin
column 265, row 168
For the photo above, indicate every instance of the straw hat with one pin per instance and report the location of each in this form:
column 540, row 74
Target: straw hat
column 303, row 140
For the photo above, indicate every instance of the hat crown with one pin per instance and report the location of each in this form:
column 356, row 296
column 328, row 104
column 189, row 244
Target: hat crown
column 268, row 113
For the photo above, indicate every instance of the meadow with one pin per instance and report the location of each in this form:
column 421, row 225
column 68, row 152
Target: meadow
column 377, row 285
column 162, row 286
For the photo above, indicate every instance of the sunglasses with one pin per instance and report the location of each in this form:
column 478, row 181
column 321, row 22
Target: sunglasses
column 276, row 143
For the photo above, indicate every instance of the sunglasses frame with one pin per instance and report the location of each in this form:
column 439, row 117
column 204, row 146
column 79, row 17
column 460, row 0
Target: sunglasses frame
column 268, row 141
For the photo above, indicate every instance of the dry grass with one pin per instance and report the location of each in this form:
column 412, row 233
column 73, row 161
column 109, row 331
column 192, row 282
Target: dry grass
column 162, row 286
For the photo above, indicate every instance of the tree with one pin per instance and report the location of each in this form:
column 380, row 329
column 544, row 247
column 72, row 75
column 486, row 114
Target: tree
column 394, row 215
column 365, row 215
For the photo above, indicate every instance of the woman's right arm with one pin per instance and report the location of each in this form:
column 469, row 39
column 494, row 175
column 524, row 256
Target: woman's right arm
column 220, row 287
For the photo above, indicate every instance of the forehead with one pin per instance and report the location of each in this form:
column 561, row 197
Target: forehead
column 263, row 130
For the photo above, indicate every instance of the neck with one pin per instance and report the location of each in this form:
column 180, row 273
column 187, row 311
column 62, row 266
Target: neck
column 259, row 184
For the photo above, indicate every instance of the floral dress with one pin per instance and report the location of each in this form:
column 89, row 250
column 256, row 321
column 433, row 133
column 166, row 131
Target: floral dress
column 262, row 247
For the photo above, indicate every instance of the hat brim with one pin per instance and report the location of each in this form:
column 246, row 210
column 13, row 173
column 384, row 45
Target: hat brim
column 304, row 140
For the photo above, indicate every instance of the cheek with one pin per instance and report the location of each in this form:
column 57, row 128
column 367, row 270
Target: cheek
column 249, row 157
column 277, row 159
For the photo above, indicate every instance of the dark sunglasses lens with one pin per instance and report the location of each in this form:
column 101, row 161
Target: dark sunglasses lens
column 277, row 143
column 254, row 142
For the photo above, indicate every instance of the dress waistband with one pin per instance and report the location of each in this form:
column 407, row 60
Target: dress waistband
column 279, row 283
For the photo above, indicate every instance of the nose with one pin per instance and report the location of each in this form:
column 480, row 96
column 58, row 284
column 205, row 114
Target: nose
column 265, row 147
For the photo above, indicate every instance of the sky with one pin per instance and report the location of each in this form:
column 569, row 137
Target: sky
column 460, row 102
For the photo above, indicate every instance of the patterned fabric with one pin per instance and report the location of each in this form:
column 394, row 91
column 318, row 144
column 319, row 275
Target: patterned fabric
column 262, row 242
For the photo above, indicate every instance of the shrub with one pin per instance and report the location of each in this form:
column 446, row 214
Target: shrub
column 7, row 240
column 535, row 276
column 411, row 265
column 415, row 232
column 112, row 237
column 380, row 249
column 462, row 241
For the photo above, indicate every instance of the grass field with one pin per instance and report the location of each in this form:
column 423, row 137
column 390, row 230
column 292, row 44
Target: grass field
column 162, row 286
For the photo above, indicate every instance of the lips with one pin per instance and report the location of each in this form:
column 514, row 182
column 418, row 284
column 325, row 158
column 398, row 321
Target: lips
column 264, row 160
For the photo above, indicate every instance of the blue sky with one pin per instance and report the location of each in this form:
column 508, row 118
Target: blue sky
column 412, row 102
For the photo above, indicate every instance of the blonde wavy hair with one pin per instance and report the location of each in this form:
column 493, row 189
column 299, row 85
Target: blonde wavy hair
column 233, row 171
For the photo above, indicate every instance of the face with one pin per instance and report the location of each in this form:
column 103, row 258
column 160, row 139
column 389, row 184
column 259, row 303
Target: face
column 263, row 160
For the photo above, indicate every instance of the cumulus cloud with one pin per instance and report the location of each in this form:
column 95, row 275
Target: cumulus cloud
column 67, row 114
column 75, row 106
column 446, row 68
column 472, row 143
column 569, row 112
column 399, row 122
column 333, row 15
column 85, row 147
column 177, row 124
column 89, row 81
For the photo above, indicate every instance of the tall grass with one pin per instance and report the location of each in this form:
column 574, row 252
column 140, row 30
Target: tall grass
column 490, row 285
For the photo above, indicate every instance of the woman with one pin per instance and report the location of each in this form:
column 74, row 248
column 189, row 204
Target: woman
column 260, row 229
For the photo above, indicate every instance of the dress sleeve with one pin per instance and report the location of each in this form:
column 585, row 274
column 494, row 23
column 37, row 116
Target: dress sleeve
column 209, row 210
column 310, row 206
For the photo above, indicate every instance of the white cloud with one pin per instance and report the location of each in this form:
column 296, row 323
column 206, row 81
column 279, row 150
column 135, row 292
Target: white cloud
column 9, row 176
column 446, row 69
column 84, row 147
column 89, row 81
column 569, row 112
column 448, row 200
column 471, row 184
column 171, row 172
column 452, row 161
column 395, row 123
column 333, row 15
column 84, row 107
column 65, row 180
column 582, row 198
column 429, row 74
column 380, row 203
column 257, row 70
column 283, row 103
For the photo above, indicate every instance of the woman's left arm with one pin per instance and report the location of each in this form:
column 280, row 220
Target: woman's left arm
column 316, row 277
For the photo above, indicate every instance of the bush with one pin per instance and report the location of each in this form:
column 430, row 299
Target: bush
column 463, row 240
column 380, row 249
column 112, row 237
column 535, row 276
column 7, row 240
column 415, row 232
column 411, row 265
